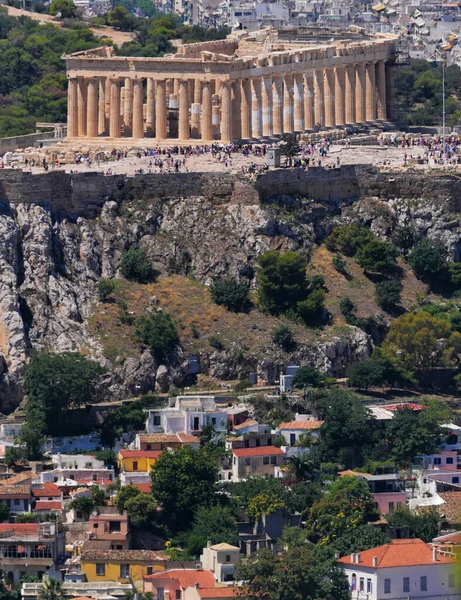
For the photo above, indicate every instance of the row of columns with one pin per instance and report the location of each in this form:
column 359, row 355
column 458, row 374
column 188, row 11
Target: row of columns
column 252, row 108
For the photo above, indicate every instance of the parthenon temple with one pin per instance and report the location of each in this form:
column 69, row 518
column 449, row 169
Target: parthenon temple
column 246, row 87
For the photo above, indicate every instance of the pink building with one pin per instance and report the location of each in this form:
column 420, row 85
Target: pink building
column 172, row 584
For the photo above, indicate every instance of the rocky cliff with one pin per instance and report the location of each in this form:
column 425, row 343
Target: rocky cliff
column 53, row 252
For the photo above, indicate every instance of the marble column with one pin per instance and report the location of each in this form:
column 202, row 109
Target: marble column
column 236, row 110
column 107, row 109
column 215, row 116
column 81, row 107
column 195, row 109
column 381, row 89
column 350, row 94
column 160, row 111
column 360, row 112
column 72, row 108
column 256, row 112
column 245, row 113
column 207, row 130
column 329, row 96
column 288, row 103
column 319, row 98
column 102, row 106
column 92, row 107
column 298, row 99
column 150, row 108
column 138, row 112
column 370, row 88
column 309, row 110
column 184, row 128
column 268, row 128
column 277, row 104
column 226, row 112
column 128, row 107
column 176, row 87
column 340, row 102
column 115, row 121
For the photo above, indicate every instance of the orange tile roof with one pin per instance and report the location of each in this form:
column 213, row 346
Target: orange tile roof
column 126, row 555
column 259, row 451
column 48, row 505
column 155, row 438
column 247, row 423
column 186, row 438
column 49, row 490
column 185, row 577
column 18, row 528
column 140, row 453
column 452, row 507
column 24, row 477
column 301, row 425
column 217, row 592
column 15, row 491
column 145, row 488
column 399, row 553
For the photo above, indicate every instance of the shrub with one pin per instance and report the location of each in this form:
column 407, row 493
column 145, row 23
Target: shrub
column 159, row 332
column 349, row 239
column 388, row 294
column 313, row 308
column 429, row 260
column 282, row 335
column 215, row 342
column 347, row 307
column 282, row 281
column 135, row 266
column 404, row 238
column 454, row 270
column 365, row 375
column 340, row 264
column 377, row 256
column 106, row 287
column 231, row 294
column 123, row 314
column 308, row 376
column 242, row 386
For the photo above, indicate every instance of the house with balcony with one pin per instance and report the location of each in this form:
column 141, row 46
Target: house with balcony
column 452, row 437
column 259, row 461
column 387, row 488
column 111, row 526
column 82, row 589
column 18, row 498
column 187, row 414
column 30, row 549
column 78, row 469
column 47, row 497
column 135, row 465
column 221, row 559
column 401, row 569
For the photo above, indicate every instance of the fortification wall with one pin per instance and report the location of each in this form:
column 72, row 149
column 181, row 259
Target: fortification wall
column 84, row 194
column 9, row 144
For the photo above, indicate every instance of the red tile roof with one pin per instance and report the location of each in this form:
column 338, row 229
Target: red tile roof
column 15, row 491
column 245, row 424
column 399, row 553
column 18, row 528
column 185, row 577
column 301, row 425
column 49, row 490
column 395, row 407
column 145, row 488
column 140, row 453
column 217, row 592
column 260, row 451
column 451, row 509
column 48, row 505
column 174, row 438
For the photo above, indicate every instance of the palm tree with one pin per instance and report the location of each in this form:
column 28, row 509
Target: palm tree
column 51, row 590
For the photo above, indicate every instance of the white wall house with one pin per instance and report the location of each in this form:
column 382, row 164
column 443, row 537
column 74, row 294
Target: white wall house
column 221, row 559
column 187, row 414
column 293, row 430
column 402, row 569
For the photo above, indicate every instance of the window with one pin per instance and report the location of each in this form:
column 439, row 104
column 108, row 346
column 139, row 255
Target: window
column 228, row 557
column 455, row 480
column 88, row 465
column 247, row 462
column 157, row 420
column 213, row 421
column 258, row 443
column 362, row 584
column 148, row 447
column 269, row 441
column 16, row 502
column 265, row 460
column 423, row 583
column 292, row 439
column 406, row 584
column 391, row 507
column 95, row 525
column 451, row 580
column 178, row 594
column 369, row 586
column 449, row 460
column 124, row 571
column 247, row 443
column 273, row 460
column 135, row 465
column 100, row 569
column 149, row 570
column 95, row 476
column 387, row 586
column 437, row 460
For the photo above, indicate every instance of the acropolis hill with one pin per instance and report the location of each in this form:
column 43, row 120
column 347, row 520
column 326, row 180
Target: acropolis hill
column 248, row 86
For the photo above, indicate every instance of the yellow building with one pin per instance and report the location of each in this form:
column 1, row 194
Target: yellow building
column 121, row 565
column 137, row 461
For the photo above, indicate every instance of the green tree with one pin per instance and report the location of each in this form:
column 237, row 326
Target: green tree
column 142, row 511
column 65, row 9
column 301, row 573
column 308, row 377
column 377, row 256
column 183, row 481
column 13, row 455
column 404, row 237
column 231, row 294
column 290, row 145
column 51, row 590
column 264, row 504
column 216, row 524
column 83, row 505
column 106, row 287
column 388, row 294
column 340, row 264
column 366, row 374
column 424, row 525
column 419, row 340
column 454, row 270
column 281, row 280
column 349, row 239
column 57, row 383
column 429, row 260
column 312, row 310
column 359, row 539
column 120, row 18
column 157, row 331
column 283, row 336
column 135, row 265
column 126, row 493
column 4, row 513
column 32, row 432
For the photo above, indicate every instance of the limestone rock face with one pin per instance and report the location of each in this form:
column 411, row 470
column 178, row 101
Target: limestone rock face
column 50, row 263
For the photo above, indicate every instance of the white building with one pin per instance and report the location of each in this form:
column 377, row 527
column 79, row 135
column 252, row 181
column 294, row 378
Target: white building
column 187, row 414
column 221, row 559
column 83, row 469
column 303, row 424
column 402, row 569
